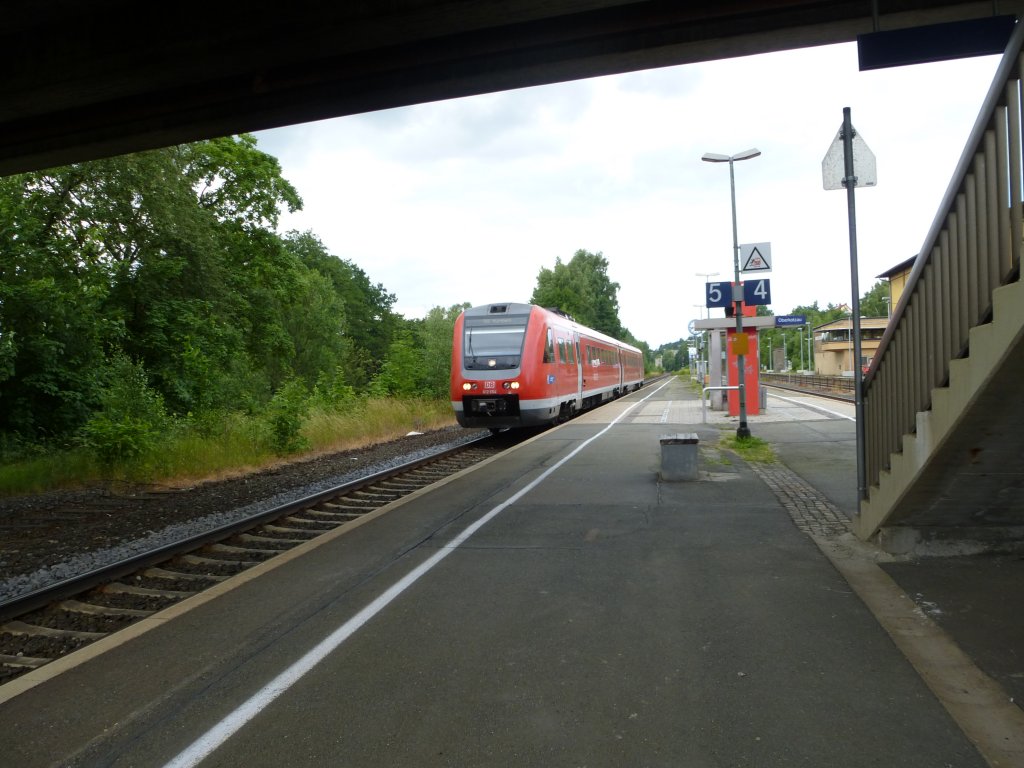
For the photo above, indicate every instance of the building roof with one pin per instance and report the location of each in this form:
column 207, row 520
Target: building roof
column 903, row 266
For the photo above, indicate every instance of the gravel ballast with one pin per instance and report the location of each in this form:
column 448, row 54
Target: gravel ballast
column 61, row 534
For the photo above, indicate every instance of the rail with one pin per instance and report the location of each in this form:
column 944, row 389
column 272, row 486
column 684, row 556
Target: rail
column 972, row 248
column 813, row 382
column 79, row 583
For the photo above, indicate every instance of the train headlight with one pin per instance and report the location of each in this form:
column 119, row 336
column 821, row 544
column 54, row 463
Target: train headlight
column 511, row 385
column 467, row 386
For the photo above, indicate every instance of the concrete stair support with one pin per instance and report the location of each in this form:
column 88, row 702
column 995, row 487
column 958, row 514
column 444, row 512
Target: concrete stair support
column 958, row 484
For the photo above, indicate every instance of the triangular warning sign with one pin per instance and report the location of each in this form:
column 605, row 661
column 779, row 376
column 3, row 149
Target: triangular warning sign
column 754, row 261
column 756, row 257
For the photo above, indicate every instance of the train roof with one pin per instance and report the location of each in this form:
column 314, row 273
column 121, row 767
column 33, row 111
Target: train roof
column 518, row 308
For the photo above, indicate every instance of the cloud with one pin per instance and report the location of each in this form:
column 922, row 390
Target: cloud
column 466, row 200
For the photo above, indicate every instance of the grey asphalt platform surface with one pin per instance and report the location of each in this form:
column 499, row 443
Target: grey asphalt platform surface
column 601, row 617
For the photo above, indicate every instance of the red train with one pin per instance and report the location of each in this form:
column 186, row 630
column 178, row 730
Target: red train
column 519, row 365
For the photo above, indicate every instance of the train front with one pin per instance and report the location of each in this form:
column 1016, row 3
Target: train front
column 487, row 380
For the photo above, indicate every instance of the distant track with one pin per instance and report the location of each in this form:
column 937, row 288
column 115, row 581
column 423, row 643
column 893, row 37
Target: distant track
column 830, row 394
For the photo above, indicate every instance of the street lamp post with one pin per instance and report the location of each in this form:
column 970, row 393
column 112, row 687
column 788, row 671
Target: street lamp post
column 706, row 275
column 711, row 157
column 699, row 337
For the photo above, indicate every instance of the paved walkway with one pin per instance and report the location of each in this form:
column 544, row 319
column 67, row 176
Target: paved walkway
column 559, row 606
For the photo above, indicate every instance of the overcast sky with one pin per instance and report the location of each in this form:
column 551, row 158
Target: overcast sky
column 466, row 200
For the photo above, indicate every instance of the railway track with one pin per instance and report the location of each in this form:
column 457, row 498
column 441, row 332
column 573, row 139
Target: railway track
column 41, row 626
column 845, row 397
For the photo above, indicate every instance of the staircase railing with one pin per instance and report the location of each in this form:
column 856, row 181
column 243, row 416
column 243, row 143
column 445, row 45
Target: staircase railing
column 972, row 248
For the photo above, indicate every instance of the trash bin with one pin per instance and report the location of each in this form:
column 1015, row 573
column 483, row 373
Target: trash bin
column 679, row 457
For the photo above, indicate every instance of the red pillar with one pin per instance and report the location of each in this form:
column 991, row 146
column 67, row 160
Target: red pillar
column 751, row 380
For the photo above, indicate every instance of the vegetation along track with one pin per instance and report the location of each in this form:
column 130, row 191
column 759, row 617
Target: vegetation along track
column 51, row 622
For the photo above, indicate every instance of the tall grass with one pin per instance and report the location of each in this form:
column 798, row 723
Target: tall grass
column 230, row 444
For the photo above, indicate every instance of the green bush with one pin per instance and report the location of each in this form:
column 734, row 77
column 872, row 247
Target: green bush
column 286, row 414
column 331, row 392
column 118, row 441
column 132, row 419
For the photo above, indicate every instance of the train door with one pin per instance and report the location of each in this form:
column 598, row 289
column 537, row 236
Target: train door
column 579, row 371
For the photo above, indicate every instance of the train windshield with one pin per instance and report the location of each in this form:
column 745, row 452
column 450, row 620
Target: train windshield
column 493, row 343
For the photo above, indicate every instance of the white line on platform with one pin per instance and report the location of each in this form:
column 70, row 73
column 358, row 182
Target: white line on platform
column 813, row 407
column 206, row 744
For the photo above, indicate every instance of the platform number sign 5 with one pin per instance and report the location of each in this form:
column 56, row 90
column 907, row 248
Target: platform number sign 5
column 718, row 294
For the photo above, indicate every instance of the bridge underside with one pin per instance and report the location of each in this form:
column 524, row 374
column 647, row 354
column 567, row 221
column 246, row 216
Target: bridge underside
column 87, row 80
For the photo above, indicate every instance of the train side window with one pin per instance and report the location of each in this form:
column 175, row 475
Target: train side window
column 549, row 348
column 562, row 356
column 569, row 352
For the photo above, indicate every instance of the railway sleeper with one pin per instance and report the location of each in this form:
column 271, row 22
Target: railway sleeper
column 376, row 496
column 218, row 561
column 349, row 504
column 229, row 549
column 117, row 588
column 333, row 516
column 164, row 573
column 358, row 502
column 90, row 609
column 34, row 630
column 271, row 528
column 430, row 476
column 351, row 512
column 289, row 540
column 403, row 486
column 255, row 539
column 23, row 662
column 321, row 525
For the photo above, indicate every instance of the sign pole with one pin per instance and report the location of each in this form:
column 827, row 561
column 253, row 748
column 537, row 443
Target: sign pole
column 743, row 430
column 850, row 182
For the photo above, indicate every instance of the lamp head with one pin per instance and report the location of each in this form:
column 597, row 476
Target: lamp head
column 714, row 157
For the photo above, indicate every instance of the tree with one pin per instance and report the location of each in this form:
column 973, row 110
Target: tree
column 419, row 360
column 583, row 289
column 169, row 259
column 370, row 324
column 53, row 333
column 435, row 334
column 875, row 303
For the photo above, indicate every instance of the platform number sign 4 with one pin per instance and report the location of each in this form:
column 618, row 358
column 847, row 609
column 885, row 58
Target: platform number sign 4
column 718, row 294
column 757, row 292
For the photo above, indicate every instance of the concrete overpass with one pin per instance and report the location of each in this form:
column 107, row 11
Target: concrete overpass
column 88, row 80
column 945, row 428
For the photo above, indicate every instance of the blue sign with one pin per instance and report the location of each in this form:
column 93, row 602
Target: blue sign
column 718, row 294
column 754, row 292
column 785, row 321
column 757, row 292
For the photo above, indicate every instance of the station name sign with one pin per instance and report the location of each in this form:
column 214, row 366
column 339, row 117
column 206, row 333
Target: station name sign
column 787, row 321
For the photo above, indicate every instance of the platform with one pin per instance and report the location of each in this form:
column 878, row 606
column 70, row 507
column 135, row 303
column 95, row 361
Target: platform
column 593, row 615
